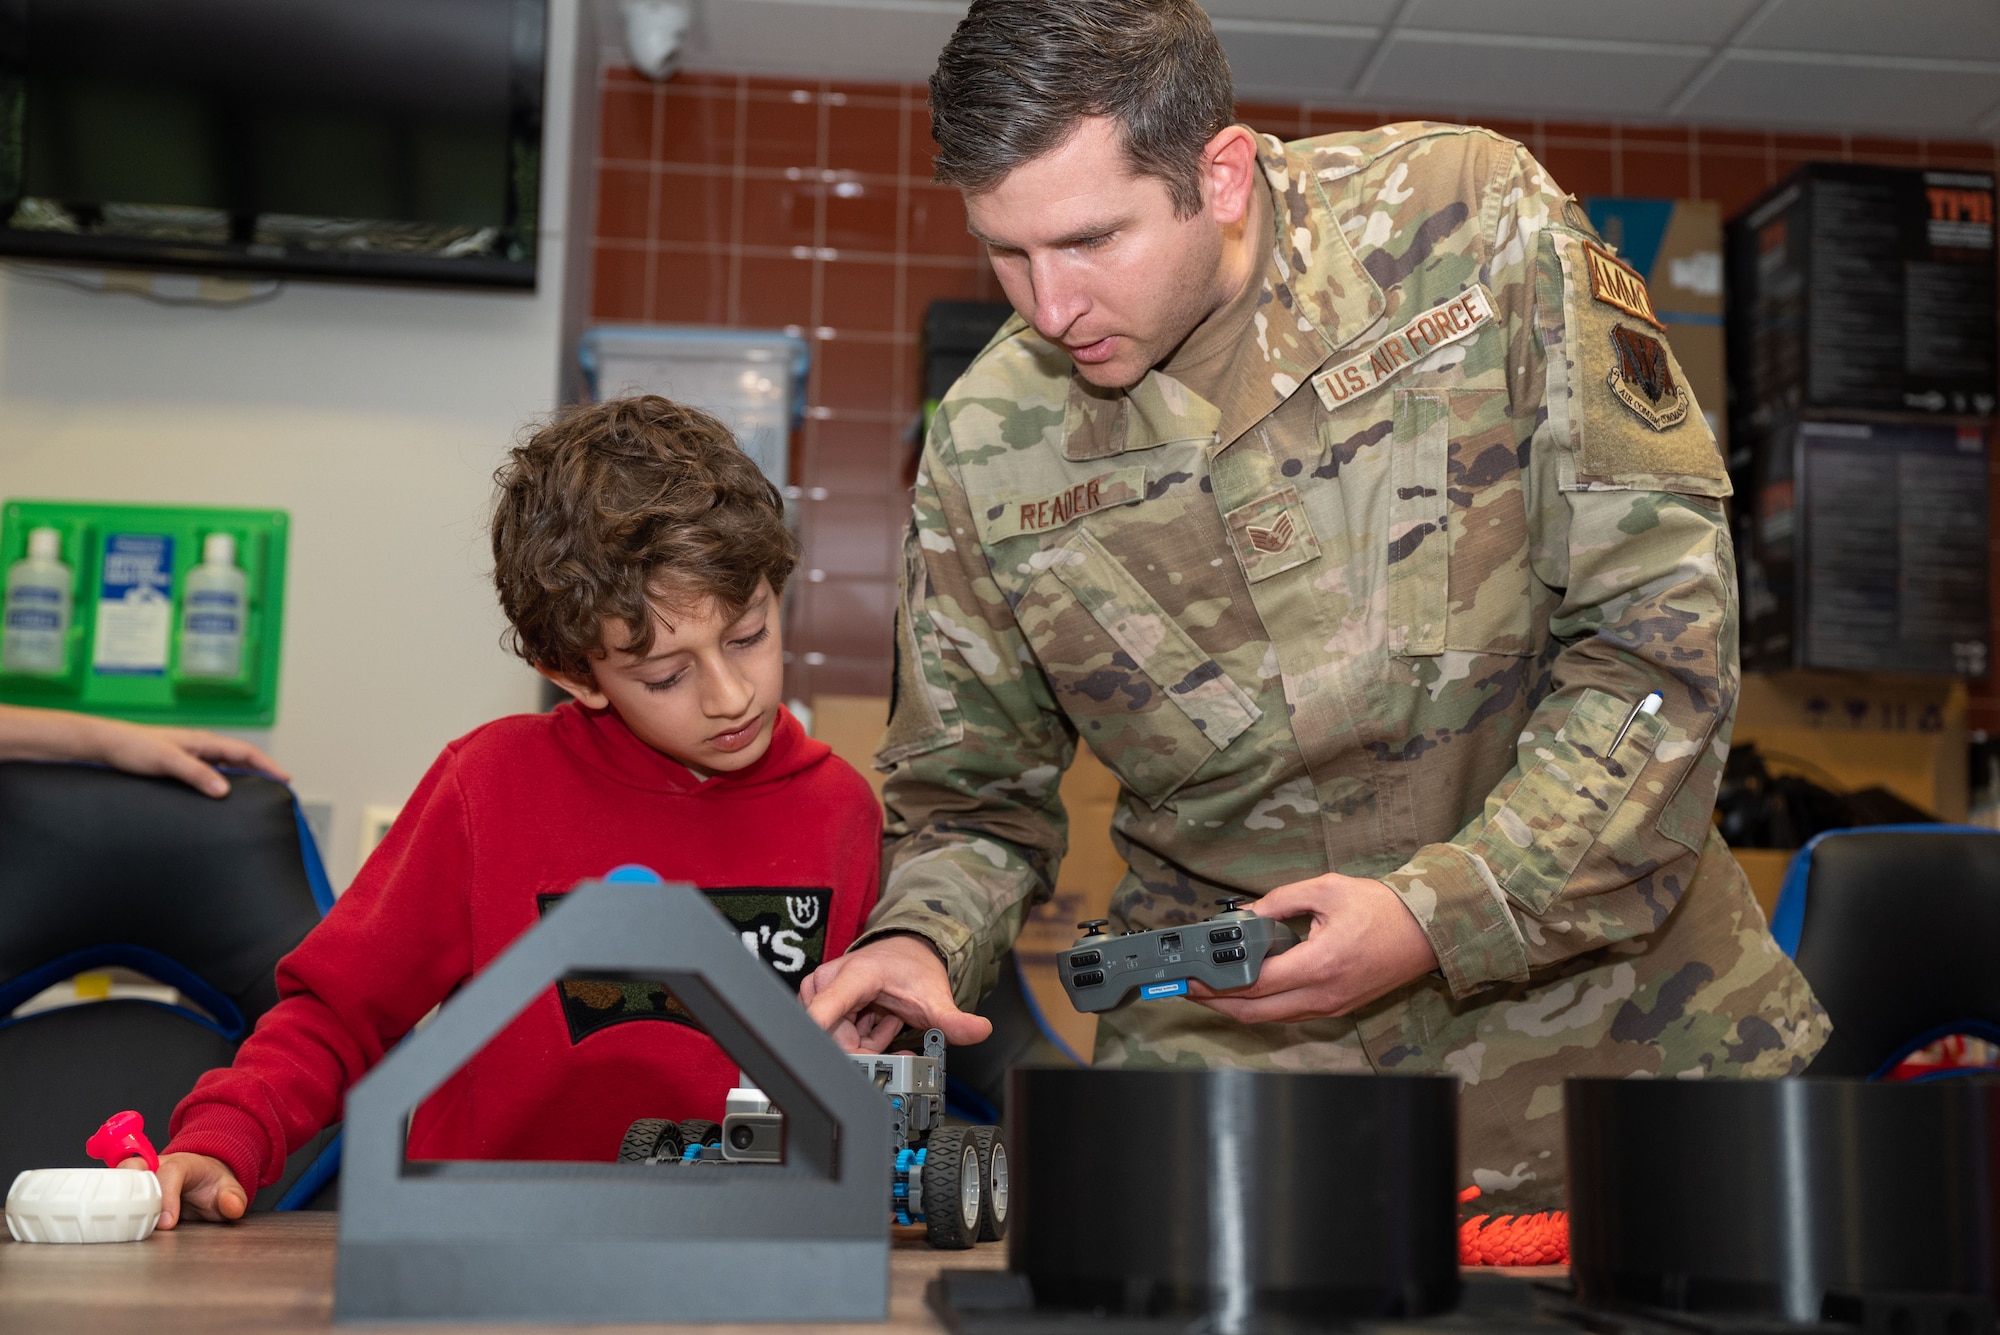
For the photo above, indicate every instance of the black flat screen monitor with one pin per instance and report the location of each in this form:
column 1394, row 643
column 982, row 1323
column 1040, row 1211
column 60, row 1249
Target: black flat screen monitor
column 359, row 139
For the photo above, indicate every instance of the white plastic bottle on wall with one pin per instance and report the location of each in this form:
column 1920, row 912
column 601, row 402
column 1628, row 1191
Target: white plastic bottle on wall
column 212, row 612
column 36, row 632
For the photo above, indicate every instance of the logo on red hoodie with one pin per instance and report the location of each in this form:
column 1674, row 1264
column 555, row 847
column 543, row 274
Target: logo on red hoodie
column 785, row 926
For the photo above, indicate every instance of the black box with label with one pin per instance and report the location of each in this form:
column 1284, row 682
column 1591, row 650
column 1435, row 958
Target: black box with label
column 1866, row 549
column 1863, row 288
column 1864, row 334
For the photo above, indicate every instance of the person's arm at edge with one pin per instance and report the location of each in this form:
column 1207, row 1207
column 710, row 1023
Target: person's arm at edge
column 136, row 748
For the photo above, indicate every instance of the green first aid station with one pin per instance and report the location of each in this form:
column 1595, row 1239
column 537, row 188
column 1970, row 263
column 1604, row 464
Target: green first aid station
column 152, row 592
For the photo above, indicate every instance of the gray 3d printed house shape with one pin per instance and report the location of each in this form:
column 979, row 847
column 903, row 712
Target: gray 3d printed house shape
column 807, row 1240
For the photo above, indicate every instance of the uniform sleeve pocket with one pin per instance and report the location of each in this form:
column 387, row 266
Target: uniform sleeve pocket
column 1537, row 837
column 923, row 711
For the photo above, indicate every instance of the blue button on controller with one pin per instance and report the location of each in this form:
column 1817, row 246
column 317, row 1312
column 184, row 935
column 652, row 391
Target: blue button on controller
column 1154, row 991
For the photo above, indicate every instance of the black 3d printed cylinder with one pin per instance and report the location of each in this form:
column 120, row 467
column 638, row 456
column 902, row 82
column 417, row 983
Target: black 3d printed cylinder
column 1804, row 1199
column 1234, row 1194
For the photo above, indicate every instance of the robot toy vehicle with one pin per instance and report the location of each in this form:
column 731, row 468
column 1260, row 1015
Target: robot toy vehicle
column 950, row 1179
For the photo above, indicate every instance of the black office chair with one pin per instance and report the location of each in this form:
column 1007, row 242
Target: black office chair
column 100, row 869
column 1895, row 927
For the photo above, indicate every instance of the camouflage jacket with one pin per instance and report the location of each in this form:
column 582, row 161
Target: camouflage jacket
column 1386, row 610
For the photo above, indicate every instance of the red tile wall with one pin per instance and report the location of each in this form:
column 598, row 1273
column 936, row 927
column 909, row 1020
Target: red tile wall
column 745, row 201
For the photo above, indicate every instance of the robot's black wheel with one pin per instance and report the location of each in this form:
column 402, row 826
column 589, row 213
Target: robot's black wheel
column 701, row 1131
column 651, row 1140
column 993, row 1182
column 952, row 1195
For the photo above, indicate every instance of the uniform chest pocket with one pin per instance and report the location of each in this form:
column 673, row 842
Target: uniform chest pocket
column 1148, row 700
column 1457, row 572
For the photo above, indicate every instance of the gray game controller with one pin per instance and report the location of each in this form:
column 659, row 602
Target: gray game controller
column 1226, row 951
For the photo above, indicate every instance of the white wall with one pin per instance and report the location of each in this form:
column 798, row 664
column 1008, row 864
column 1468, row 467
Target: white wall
column 376, row 416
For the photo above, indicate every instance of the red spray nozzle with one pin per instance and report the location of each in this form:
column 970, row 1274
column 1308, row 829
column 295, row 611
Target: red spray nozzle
column 122, row 1136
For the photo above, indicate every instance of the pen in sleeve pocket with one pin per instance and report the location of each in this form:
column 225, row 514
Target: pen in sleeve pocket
column 1650, row 705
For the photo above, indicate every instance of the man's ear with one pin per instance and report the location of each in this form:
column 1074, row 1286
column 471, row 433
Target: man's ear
column 1229, row 170
column 583, row 690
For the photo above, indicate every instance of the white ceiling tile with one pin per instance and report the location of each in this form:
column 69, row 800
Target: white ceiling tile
column 1747, row 90
column 1596, row 59
column 1695, row 22
column 827, row 39
column 1943, row 29
column 1362, row 13
column 1299, row 65
column 1527, row 78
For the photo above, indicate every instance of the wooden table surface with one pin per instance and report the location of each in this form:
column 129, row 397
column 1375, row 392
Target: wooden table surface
column 274, row 1273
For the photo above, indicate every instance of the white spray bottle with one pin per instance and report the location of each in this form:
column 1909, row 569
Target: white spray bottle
column 36, row 635
column 212, row 612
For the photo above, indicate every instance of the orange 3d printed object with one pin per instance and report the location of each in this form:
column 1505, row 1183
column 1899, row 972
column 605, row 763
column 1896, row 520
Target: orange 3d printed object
column 1509, row 1239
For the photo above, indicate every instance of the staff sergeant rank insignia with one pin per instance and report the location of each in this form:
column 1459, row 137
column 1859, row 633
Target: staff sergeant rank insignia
column 1275, row 538
column 1643, row 379
column 1617, row 284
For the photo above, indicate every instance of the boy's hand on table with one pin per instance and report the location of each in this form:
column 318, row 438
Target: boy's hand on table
column 865, row 997
column 198, row 1183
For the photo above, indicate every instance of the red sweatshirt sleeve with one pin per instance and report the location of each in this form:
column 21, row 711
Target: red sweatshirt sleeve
column 394, row 946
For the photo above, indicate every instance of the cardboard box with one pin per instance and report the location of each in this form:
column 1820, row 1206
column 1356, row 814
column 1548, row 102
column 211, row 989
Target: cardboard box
column 1849, row 731
column 852, row 725
column 1084, row 883
column 1766, row 869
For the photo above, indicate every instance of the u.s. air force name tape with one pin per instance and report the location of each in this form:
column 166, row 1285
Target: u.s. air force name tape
column 1440, row 326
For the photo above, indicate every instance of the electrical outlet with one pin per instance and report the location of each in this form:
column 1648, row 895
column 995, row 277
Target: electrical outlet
column 319, row 819
column 376, row 818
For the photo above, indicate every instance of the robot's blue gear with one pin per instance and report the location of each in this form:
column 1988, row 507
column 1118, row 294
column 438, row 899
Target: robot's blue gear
column 908, row 1209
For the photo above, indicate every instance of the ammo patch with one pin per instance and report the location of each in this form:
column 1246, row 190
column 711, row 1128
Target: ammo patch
column 1438, row 327
column 1618, row 285
column 1642, row 376
column 783, row 926
column 1058, row 509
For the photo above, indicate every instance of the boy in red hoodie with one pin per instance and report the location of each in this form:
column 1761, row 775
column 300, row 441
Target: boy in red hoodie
column 639, row 556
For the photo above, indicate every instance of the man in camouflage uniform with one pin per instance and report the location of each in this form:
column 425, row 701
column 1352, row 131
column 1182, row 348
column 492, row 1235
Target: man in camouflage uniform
column 1358, row 579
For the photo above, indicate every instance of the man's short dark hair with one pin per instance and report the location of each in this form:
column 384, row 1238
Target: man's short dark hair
column 612, row 507
column 1018, row 75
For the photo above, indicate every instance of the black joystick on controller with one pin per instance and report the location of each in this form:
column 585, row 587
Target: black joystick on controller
column 1227, row 951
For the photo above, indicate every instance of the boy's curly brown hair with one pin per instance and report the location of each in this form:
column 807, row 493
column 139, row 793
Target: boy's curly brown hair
column 613, row 508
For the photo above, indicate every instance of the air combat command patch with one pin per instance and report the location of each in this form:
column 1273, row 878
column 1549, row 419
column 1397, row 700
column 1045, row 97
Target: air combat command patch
column 1642, row 377
column 783, row 926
